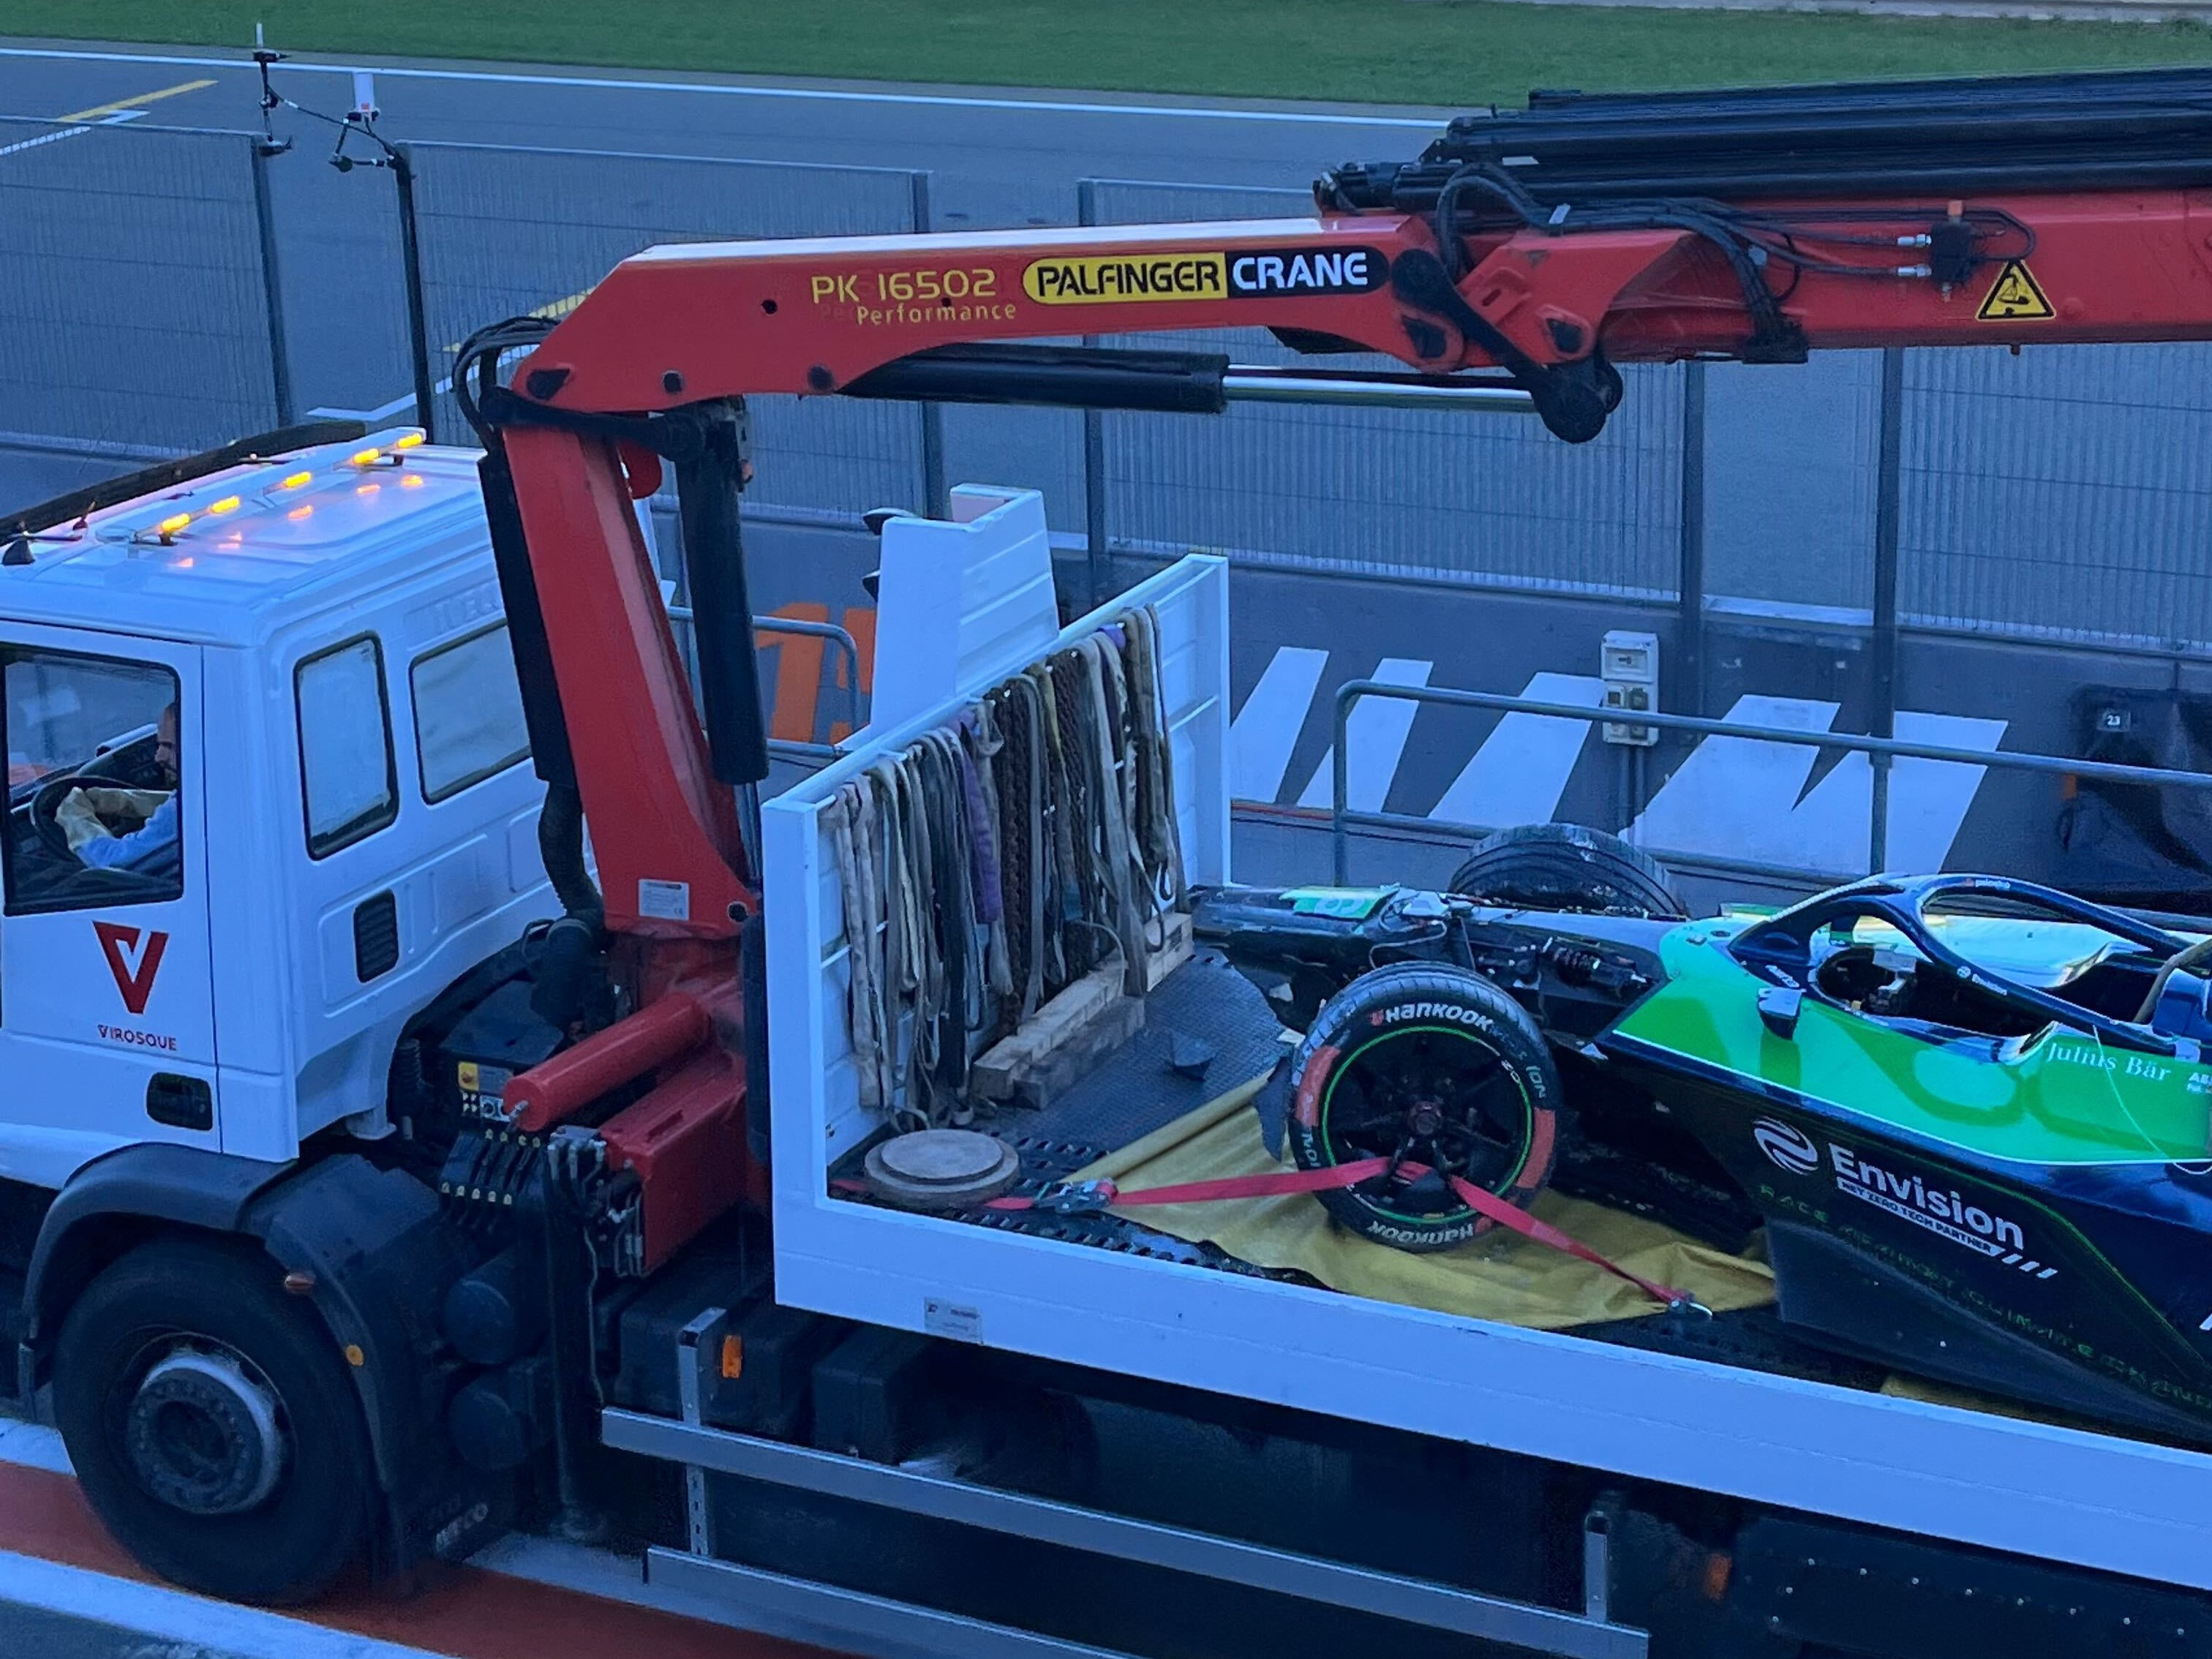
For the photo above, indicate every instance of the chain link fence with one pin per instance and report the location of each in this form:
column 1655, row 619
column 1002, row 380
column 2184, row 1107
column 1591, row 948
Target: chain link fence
column 505, row 231
column 2060, row 494
column 1790, row 459
column 1402, row 492
column 137, row 317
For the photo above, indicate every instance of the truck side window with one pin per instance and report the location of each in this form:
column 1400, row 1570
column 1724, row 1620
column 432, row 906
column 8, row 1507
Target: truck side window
column 93, row 813
column 348, row 775
column 468, row 712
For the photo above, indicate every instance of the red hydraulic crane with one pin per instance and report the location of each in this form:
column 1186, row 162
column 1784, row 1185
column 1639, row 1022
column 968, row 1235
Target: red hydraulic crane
column 1525, row 254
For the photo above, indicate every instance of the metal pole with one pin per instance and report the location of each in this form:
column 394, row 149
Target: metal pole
column 1882, row 719
column 1881, row 749
column 1098, row 558
column 410, row 265
column 1689, row 676
column 936, row 501
column 272, row 287
column 1252, row 383
column 847, row 647
column 1340, row 782
column 1097, row 553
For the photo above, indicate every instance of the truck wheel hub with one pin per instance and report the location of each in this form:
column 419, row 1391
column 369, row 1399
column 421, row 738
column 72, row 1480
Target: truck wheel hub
column 203, row 1435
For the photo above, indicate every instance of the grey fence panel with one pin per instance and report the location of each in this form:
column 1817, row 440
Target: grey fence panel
column 134, row 319
column 1481, row 499
column 1791, row 471
column 1027, row 449
column 2062, row 493
column 507, row 231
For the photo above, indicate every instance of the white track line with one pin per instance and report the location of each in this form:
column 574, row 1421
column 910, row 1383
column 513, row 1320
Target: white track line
column 194, row 1623
column 34, row 1446
column 54, row 137
column 824, row 95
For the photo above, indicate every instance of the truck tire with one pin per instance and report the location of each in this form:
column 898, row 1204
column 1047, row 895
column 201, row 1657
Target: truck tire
column 1437, row 1067
column 1564, row 866
column 212, row 1423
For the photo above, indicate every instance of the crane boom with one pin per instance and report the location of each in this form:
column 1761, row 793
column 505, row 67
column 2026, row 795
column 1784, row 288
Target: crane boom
column 819, row 316
column 1549, row 244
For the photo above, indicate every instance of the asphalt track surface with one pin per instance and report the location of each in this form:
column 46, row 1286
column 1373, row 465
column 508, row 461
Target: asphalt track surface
column 67, row 1591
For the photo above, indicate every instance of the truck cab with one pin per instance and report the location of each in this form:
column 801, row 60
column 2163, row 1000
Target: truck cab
column 268, row 795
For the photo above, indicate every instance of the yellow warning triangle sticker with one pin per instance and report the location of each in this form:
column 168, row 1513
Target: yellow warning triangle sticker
column 2015, row 297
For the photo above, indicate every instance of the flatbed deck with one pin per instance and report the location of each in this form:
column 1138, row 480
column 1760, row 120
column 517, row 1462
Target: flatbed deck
column 1808, row 1441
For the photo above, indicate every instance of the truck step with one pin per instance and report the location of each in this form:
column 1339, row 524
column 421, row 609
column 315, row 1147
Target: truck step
column 871, row 1624
column 842, row 1620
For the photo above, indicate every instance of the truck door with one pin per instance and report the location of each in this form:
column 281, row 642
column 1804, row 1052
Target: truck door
column 106, row 1011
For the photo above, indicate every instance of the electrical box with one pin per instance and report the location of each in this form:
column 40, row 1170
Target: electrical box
column 1629, row 665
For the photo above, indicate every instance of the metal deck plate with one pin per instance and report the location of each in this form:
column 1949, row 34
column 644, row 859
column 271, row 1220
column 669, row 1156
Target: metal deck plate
column 1136, row 1091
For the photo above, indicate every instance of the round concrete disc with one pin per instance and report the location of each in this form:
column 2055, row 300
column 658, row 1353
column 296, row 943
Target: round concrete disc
column 941, row 1168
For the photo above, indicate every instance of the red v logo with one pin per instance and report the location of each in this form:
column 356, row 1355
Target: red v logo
column 134, row 965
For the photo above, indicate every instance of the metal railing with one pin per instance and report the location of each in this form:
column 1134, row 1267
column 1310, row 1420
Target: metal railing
column 795, row 748
column 1880, row 752
column 2047, row 497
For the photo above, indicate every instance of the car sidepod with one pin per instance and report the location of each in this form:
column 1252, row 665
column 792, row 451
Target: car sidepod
column 2084, row 1285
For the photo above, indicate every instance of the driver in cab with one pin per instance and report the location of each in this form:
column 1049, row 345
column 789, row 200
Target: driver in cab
column 82, row 815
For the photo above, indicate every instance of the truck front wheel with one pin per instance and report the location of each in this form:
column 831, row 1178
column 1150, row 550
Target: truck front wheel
column 212, row 1423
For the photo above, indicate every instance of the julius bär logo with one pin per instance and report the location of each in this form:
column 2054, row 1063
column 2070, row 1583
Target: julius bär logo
column 134, row 957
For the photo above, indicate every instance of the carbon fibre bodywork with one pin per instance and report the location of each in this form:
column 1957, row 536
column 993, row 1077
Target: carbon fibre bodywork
column 1970, row 1163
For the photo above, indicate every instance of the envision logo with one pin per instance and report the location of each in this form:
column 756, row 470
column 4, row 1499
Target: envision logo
column 1948, row 1213
column 1785, row 1147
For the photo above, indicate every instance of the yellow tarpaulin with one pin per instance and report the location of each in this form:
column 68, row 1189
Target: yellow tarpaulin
column 1500, row 1276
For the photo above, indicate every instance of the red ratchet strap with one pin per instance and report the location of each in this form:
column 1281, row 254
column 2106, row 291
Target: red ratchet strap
column 1509, row 1215
column 1090, row 1197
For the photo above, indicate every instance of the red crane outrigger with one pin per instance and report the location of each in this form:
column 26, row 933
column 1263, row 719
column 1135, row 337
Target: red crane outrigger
column 1522, row 256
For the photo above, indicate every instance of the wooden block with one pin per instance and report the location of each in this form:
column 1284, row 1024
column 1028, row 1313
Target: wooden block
column 1073, row 1025
column 1159, row 964
column 1078, row 1058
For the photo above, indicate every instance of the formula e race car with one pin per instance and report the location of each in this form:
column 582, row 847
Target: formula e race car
column 1970, row 1113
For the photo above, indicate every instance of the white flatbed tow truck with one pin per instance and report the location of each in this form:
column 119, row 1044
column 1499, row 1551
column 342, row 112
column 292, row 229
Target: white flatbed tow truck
column 295, row 1284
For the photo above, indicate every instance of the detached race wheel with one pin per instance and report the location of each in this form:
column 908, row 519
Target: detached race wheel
column 212, row 1423
column 1564, row 866
column 1437, row 1069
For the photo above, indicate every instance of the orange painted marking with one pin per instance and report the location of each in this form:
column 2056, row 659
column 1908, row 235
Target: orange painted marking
column 459, row 1610
column 798, row 674
column 860, row 624
column 798, row 669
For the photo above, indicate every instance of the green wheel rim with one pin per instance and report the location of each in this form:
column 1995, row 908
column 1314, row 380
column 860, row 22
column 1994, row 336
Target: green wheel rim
column 1513, row 1072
